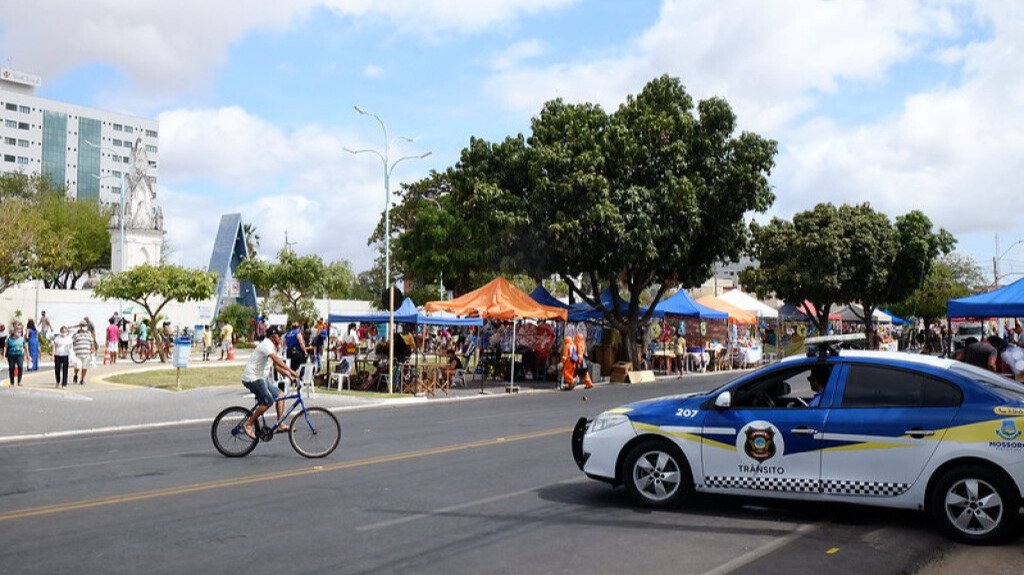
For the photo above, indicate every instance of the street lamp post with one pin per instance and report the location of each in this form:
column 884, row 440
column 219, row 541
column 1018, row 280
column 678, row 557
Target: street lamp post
column 388, row 168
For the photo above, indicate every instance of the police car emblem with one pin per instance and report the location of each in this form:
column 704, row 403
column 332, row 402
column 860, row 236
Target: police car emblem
column 760, row 443
column 1008, row 430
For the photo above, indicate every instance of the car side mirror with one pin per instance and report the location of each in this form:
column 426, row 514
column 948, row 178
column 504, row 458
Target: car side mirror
column 723, row 400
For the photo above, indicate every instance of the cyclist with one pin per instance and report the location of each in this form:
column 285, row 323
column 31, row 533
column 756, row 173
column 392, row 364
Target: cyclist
column 253, row 378
column 144, row 337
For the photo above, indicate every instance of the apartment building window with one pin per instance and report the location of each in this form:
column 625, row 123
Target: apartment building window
column 24, row 109
column 117, row 143
column 12, row 107
column 151, row 133
column 151, row 149
column 23, row 143
column 22, row 125
column 118, row 128
column 22, row 160
column 54, row 146
column 115, row 173
column 129, row 130
column 11, row 123
column 8, row 158
column 10, row 141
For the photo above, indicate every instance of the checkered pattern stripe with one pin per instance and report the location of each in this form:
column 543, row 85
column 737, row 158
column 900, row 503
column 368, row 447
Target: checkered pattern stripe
column 791, row 485
column 870, row 488
column 784, row 484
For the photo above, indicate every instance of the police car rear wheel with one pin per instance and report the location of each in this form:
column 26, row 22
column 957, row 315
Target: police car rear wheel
column 656, row 474
column 975, row 505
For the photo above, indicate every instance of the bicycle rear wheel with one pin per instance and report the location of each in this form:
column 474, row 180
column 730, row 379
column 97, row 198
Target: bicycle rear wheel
column 138, row 354
column 228, row 436
column 315, row 433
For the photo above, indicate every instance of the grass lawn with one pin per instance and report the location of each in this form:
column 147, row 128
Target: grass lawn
column 192, row 378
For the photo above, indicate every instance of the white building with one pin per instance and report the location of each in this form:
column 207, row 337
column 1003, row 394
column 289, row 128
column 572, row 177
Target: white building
column 90, row 151
column 46, row 136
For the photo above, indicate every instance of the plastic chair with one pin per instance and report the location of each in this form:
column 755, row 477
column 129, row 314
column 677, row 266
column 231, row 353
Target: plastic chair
column 459, row 378
column 306, row 372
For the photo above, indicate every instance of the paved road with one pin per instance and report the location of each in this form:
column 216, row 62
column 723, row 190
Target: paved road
column 460, row 487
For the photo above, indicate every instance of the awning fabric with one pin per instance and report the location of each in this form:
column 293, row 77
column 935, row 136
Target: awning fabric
column 405, row 313
column 850, row 313
column 498, row 299
column 541, row 295
column 896, row 320
column 682, row 304
column 736, row 315
column 1007, row 301
column 583, row 311
column 749, row 303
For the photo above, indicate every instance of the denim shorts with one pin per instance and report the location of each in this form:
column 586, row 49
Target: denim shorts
column 264, row 392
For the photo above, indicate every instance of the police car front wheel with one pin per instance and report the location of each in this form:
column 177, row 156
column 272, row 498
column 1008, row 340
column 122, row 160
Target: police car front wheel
column 656, row 474
column 975, row 505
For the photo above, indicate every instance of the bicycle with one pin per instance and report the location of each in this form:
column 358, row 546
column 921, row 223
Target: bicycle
column 315, row 435
column 142, row 351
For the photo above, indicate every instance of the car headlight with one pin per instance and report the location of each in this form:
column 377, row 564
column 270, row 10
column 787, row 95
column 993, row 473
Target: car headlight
column 606, row 420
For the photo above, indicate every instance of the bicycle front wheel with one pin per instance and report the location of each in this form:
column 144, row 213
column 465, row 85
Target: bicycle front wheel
column 228, row 436
column 315, row 433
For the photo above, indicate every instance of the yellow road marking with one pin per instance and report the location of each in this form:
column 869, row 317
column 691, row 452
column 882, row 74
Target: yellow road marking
column 195, row 487
column 832, row 551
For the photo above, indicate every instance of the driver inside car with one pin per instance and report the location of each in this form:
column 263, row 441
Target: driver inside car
column 818, row 378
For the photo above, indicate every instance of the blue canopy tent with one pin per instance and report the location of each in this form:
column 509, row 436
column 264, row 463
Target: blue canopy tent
column 583, row 311
column 1007, row 301
column 541, row 295
column 682, row 304
column 405, row 313
column 895, row 319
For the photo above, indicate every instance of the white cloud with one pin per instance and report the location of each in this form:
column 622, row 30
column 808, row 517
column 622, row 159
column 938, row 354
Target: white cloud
column 159, row 46
column 768, row 59
column 228, row 160
column 373, row 71
column 429, row 18
column 517, row 53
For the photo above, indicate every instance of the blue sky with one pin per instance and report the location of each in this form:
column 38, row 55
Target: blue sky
column 906, row 104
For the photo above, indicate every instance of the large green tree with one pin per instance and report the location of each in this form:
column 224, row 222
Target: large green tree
column 20, row 229
column 650, row 196
column 294, row 280
column 845, row 254
column 952, row 276
column 75, row 241
column 153, row 287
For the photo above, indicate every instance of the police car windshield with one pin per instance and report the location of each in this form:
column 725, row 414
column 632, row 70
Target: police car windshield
column 1004, row 386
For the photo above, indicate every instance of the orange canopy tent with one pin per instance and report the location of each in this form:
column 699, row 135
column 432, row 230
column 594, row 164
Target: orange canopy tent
column 736, row 315
column 498, row 299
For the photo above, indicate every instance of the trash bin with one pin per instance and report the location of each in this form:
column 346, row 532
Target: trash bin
column 182, row 351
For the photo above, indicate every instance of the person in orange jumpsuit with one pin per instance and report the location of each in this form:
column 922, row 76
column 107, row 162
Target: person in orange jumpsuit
column 568, row 363
column 583, row 369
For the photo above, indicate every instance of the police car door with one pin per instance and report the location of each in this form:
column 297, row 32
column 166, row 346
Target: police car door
column 884, row 426
column 766, row 439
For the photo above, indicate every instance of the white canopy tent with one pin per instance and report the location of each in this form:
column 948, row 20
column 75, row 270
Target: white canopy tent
column 850, row 313
column 747, row 302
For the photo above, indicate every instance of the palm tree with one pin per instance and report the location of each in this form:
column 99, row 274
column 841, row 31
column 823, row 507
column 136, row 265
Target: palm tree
column 252, row 239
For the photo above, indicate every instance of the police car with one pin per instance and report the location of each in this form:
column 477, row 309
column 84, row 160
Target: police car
column 885, row 429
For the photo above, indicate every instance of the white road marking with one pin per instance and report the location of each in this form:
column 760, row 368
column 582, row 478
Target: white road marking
column 759, row 552
column 449, row 509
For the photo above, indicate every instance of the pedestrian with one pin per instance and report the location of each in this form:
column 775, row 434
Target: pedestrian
column 90, row 327
column 982, row 354
column 84, row 345
column 296, row 347
column 32, row 338
column 3, row 335
column 569, row 357
column 45, row 329
column 124, row 328
column 207, row 342
column 680, row 345
column 226, row 332
column 143, row 337
column 582, row 366
column 166, row 337
column 113, row 337
column 62, row 344
column 15, row 350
